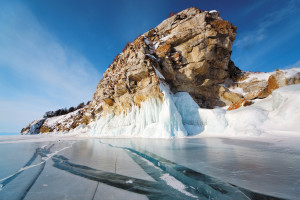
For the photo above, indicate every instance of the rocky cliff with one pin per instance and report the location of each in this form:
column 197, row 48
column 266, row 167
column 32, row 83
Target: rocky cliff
column 187, row 53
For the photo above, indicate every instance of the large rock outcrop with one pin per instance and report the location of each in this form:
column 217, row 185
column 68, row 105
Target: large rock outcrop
column 189, row 52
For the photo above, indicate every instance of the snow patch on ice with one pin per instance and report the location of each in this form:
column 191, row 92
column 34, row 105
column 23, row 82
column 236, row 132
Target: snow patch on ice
column 129, row 181
column 177, row 185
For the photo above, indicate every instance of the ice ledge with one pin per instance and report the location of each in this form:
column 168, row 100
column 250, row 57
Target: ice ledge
column 179, row 116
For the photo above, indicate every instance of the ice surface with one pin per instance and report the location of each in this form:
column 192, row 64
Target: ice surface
column 119, row 168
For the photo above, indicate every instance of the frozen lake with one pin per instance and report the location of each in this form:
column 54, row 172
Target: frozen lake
column 50, row 167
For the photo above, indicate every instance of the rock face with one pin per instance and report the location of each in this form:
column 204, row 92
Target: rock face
column 189, row 52
column 260, row 85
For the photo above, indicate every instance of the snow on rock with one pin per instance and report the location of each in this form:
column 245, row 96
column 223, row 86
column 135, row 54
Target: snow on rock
column 290, row 73
column 213, row 11
column 278, row 113
column 237, row 90
column 257, row 76
column 179, row 116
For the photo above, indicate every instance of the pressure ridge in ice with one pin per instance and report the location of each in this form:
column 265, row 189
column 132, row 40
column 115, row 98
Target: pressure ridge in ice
column 179, row 116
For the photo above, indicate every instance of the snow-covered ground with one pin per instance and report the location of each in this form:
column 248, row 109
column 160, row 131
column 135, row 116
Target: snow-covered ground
column 276, row 115
column 179, row 116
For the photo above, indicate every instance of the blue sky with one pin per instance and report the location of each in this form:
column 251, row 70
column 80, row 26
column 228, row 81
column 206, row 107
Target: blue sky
column 54, row 52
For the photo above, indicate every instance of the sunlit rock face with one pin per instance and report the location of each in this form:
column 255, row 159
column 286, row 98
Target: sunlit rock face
column 190, row 49
column 193, row 50
column 187, row 56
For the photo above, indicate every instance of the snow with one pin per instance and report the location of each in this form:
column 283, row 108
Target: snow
column 129, row 181
column 178, row 116
column 65, row 120
column 259, row 76
column 177, row 185
column 157, row 44
column 213, row 11
column 169, row 36
column 279, row 113
column 264, row 76
column 237, row 90
column 290, row 73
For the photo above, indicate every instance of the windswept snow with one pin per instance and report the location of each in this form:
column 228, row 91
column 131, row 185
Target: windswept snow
column 178, row 116
column 277, row 113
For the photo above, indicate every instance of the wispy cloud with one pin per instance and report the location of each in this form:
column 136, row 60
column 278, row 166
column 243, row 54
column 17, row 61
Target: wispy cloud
column 46, row 74
column 295, row 65
column 268, row 20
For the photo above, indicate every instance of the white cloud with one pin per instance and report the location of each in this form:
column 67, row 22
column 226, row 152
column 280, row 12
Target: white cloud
column 268, row 20
column 54, row 74
column 295, row 65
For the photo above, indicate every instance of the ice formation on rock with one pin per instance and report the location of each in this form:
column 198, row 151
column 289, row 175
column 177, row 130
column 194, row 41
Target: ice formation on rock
column 155, row 118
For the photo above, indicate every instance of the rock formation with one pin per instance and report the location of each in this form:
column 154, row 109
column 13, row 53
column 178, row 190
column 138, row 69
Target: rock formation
column 189, row 52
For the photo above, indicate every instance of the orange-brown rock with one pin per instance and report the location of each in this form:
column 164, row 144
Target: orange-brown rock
column 239, row 104
column 163, row 50
column 44, row 129
column 275, row 81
